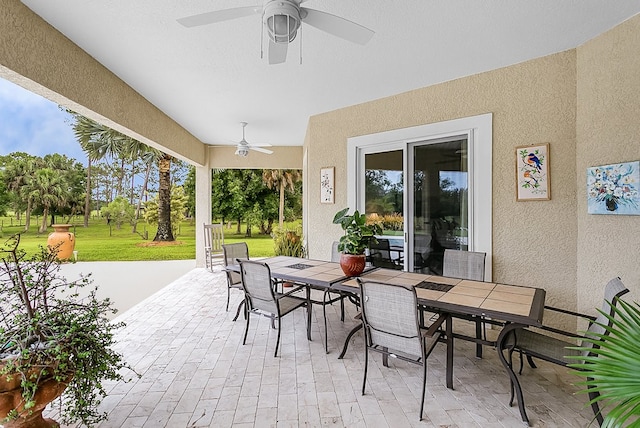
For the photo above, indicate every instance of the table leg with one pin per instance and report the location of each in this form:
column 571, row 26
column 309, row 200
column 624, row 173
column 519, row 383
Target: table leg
column 449, row 340
column 353, row 331
column 502, row 344
column 308, row 312
column 324, row 313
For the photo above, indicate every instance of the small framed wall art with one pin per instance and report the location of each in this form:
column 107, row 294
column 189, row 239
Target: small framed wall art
column 532, row 173
column 613, row 189
column 327, row 185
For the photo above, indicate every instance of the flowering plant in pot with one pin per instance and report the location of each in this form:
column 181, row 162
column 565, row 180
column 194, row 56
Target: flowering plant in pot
column 55, row 339
column 354, row 242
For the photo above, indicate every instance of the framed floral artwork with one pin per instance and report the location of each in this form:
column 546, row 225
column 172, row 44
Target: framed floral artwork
column 532, row 173
column 326, row 185
column 613, row 189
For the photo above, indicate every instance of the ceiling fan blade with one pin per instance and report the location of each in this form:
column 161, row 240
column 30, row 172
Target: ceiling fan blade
column 219, row 16
column 277, row 52
column 260, row 149
column 337, row 26
column 261, row 144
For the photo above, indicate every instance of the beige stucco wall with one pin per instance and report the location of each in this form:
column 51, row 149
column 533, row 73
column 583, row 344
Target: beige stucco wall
column 532, row 103
column 283, row 157
column 38, row 57
column 608, row 131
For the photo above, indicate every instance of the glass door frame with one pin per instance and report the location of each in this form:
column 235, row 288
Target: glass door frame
column 477, row 129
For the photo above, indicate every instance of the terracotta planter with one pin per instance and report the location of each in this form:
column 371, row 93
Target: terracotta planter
column 11, row 398
column 352, row 264
column 62, row 241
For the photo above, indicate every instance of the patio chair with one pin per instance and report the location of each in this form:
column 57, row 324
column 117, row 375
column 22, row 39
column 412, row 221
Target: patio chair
column 380, row 254
column 232, row 252
column 534, row 344
column 391, row 325
column 213, row 240
column 335, row 254
column 261, row 297
column 467, row 265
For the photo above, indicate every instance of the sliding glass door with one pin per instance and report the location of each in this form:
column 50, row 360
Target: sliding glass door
column 439, row 215
column 429, row 186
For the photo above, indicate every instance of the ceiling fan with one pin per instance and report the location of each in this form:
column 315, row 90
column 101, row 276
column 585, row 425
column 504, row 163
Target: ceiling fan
column 243, row 147
column 282, row 19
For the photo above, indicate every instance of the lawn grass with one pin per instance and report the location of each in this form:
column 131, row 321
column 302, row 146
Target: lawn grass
column 100, row 242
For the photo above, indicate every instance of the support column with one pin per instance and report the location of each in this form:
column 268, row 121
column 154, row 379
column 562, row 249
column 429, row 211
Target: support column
column 203, row 208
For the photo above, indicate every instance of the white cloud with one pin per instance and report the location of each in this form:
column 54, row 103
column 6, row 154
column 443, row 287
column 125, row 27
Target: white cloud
column 35, row 125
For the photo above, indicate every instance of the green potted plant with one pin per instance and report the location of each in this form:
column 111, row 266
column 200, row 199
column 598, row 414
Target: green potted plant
column 288, row 242
column 613, row 367
column 55, row 339
column 354, row 242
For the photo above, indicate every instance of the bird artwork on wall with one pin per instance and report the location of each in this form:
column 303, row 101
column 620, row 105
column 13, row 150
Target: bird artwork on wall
column 532, row 173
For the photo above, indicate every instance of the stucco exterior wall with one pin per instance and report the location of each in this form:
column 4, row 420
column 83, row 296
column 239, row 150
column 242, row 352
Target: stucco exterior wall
column 283, row 157
column 608, row 131
column 37, row 57
column 532, row 103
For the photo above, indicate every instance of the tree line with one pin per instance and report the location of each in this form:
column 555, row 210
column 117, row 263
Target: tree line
column 126, row 180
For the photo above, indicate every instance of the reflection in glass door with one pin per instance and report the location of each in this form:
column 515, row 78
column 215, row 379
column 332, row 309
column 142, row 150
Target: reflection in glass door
column 383, row 203
column 440, row 188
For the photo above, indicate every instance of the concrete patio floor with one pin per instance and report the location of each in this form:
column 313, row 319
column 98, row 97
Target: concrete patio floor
column 195, row 372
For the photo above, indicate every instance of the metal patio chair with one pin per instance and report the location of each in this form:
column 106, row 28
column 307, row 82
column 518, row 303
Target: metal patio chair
column 261, row 297
column 467, row 265
column 213, row 241
column 232, row 252
column 532, row 343
column 380, row 254
column 391, row 325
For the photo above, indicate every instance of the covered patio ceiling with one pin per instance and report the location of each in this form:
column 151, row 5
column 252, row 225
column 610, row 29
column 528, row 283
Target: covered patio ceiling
column 211, row 78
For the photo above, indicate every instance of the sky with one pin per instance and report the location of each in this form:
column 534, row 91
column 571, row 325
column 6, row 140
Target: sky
column 32, row 124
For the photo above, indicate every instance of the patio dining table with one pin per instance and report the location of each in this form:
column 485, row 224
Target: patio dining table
column 516, row 306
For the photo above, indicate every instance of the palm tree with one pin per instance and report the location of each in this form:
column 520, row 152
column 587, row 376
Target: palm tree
column 47, row 190
column 99, row 141
column 19, row 174
column 164, row 232
column 281, row 179
column 94, row 140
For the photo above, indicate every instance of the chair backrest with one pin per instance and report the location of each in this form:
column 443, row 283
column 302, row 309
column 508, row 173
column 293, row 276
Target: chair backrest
column 612, row 292
column 258, row 287
column 213, row 238
column 464, row 264
column 390, row 316
column 335, row 254
column 380, row 253
column 232, row 252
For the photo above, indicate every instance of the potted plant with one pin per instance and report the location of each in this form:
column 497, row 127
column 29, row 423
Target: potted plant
column 354, row 242
column 612, row 368
column 288, row 242
column 55, row 339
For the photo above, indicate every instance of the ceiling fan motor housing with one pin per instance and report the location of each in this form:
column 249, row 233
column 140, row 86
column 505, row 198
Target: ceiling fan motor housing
column 242, row 152
column 282, row 20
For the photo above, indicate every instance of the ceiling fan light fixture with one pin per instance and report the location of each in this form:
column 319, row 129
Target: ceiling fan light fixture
column 242, row 152
column 282, row 20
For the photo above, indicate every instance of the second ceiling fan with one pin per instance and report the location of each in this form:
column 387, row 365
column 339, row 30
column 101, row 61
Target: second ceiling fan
column 243, row 147
column 282, row 20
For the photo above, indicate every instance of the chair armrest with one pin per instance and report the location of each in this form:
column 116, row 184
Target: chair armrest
column 560, row 332
column 437, row 324
column 568, row 312
column 293, row 290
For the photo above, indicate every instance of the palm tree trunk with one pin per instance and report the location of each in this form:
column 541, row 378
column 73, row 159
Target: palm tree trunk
column 43, row 225
column 27, row 220
column 87, row 198
column 164, row 201
column 143, row 191
column 281, row 208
